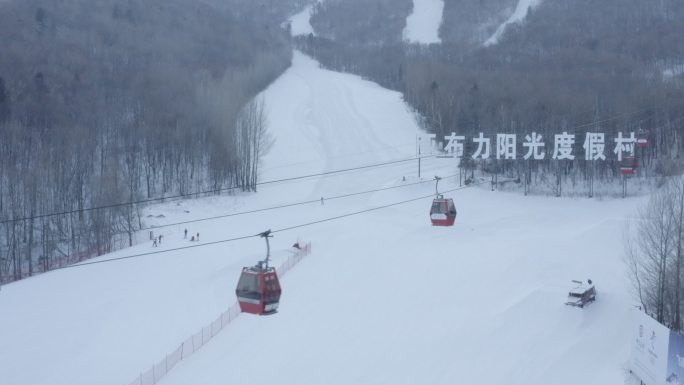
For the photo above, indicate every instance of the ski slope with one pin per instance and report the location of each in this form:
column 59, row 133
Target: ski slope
column 300, row 23
column 516, row 17
column 384, row 298
column 422, row 26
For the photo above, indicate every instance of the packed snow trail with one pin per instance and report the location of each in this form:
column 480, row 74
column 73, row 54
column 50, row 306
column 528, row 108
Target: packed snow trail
column 300, row 22
column 516, row 17
column 384, row 298
column 422, row 26
column 324, row 120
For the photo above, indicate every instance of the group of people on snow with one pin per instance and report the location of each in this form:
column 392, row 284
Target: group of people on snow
column 193, row 238
column 156, row 241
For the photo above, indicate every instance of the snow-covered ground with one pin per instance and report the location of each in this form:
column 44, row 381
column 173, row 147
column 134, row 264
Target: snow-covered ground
column 300, row 22
column 384, row 298
column 422, row 26
column 673, row 72
column 516, row 17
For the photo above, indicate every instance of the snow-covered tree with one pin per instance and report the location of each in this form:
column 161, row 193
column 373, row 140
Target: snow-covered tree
column 655, row 254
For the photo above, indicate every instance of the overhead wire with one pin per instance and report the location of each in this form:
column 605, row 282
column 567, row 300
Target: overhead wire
column 213, row 191
column 373, row 209
column 614, row 117
column 326, row 173
column 307, row 224
column 621, row 115
column 294, row 204
column 340, row 156
column 264, row 209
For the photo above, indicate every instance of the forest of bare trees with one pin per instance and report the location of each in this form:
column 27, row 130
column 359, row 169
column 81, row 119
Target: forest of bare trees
column 655, row 255
column 471, row 22
column 613, row 66
column 115, row 101
column 108, row 102
column 360, row 22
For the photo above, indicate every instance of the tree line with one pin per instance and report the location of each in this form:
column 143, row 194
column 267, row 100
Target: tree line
column 579, row 67
column 655, row 255
column 360, row 22
column 115, row 101
column 470, row 23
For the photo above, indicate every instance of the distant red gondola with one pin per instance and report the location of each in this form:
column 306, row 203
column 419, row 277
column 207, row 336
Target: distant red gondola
column 258, row 290
column 628, row 165
column 642, row 138
column 442, row 211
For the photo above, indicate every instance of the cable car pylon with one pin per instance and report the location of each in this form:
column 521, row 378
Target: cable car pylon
column 258, row 290
column 442, row 211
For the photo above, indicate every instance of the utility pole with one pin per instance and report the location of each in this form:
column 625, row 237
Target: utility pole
column 493, row 182
column 559, row 179
column 419, row 142
column 527, row 171
column 591, row 179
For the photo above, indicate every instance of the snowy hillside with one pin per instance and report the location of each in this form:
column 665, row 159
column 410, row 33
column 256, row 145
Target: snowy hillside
column 516, row 17
column 384, row 298
column 300, row 22
column 422, row 26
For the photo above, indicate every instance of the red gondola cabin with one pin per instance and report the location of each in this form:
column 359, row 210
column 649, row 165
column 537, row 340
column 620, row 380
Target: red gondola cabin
column 258, row 290
column 628, row 165
column 443, row 212
column 642, row 138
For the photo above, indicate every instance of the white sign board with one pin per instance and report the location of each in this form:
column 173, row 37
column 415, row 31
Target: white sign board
column 650, row 344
